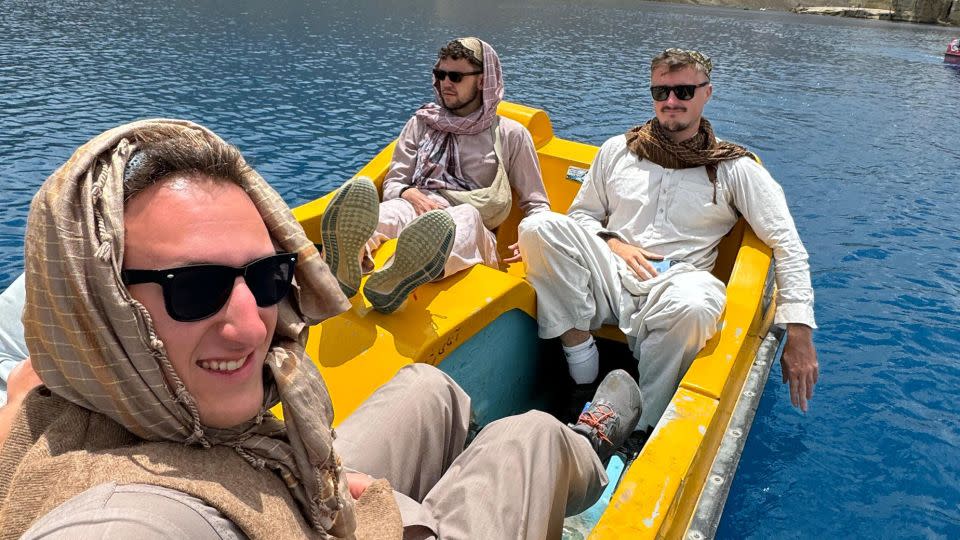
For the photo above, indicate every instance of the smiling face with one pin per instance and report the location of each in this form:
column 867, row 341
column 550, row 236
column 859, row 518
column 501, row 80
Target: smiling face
column 185, row 220
column 680, row 119
column 466, row 96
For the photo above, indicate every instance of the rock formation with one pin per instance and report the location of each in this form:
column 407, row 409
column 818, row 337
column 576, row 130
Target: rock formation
column 920, row 11
column 927, row 11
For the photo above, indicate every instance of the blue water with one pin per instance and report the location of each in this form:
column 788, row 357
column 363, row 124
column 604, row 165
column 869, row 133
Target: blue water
column 859, row 121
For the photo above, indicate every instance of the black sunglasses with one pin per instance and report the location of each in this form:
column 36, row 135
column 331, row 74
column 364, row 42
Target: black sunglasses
column 684, row 92
column 195, row 292
column 455, row 76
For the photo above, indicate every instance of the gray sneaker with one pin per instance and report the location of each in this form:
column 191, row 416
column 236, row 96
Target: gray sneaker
column 422, row 250
column 612, row 415
column 348, row 222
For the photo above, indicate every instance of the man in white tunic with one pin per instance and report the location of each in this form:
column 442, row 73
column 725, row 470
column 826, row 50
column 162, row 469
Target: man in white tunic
column 448, row 185
column 640, row 239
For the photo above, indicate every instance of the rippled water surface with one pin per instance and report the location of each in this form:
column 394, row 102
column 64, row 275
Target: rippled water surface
column 859, row 121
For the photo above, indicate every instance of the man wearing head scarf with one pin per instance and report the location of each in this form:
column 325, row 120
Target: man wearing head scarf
column 638, row 243
column 169, row 292
column 448, row 185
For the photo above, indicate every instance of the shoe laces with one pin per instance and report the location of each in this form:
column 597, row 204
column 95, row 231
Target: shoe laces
column 597, row 418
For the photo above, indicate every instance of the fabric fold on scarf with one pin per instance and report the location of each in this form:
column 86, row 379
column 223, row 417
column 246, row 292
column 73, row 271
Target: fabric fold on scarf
column 94, row 344
column 651, row 142
column 438, row 162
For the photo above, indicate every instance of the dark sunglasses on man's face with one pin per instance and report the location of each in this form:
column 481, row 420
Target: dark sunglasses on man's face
column 684, row 92
column 455, row 76
column 195, row 292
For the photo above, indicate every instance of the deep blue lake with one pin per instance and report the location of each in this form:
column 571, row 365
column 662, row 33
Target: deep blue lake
column 858, row 120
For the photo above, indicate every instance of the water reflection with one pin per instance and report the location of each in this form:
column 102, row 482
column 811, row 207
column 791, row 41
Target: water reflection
column 852, row 117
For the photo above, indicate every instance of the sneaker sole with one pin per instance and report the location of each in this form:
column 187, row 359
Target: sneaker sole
column 348, row 222
column 422, row 251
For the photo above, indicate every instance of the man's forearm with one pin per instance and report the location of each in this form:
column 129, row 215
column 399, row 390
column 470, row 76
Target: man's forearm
column 762, row 202
column 799, row 331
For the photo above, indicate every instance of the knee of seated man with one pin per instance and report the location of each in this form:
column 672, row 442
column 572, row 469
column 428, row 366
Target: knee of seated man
column 538, row 227
column 428, row 384
column 697, row 306
column 531, row 425
column 702, row 301
column 466, row 212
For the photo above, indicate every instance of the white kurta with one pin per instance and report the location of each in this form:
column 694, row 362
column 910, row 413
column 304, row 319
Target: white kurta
column 581, row 284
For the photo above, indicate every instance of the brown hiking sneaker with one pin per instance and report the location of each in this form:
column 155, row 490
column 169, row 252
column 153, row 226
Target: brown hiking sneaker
column 612, row 415
column 348, row 222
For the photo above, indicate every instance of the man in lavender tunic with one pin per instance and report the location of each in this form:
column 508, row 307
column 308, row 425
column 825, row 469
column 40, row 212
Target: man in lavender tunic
column 448, row 145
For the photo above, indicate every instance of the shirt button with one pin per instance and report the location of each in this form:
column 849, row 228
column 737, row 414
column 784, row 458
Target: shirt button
column 661, row 210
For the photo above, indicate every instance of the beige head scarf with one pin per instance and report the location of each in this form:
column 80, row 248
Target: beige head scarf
column 94, row 345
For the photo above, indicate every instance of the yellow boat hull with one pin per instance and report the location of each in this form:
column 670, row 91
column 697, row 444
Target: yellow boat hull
column 464, row 323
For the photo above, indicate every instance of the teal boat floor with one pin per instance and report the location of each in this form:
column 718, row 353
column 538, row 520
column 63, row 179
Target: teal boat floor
column 506, row 369
column 578, row 527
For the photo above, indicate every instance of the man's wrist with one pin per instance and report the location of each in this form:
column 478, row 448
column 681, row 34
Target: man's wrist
column 799, row 331
column 607, row 236
column 799, row 327
column 404, row 190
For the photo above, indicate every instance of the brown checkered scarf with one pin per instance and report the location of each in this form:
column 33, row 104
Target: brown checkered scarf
column 94, row 345
column 651, row 142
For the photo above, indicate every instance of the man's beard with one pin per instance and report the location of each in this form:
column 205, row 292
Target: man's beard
column 674, row 126
column 456, row 106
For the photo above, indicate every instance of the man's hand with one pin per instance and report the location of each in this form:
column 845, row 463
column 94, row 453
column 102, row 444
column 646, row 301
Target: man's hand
column 358, row 483
column 637, row 258
column 421, row 203
column 799, row 364
column 22, row 379
column 515, row 249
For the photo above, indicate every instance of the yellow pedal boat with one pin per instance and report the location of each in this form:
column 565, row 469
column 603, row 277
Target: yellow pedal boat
column 479, row 326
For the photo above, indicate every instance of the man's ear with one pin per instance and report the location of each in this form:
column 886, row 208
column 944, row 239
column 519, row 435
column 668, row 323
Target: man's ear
column 480, row 82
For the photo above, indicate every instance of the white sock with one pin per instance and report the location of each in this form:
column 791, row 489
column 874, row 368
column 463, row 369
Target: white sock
column 583, row 361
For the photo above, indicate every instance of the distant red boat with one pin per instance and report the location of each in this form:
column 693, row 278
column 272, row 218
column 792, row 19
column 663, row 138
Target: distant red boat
column 953, row 52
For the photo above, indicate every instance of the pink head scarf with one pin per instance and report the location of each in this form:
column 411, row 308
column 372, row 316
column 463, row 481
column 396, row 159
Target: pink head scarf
column 438, row 164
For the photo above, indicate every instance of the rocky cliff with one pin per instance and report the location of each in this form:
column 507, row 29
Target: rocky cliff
column 927, row 11
column 920, row 11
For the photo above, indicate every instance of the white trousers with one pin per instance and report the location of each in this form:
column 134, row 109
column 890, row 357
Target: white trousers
column 473, row 243
column 582, row 284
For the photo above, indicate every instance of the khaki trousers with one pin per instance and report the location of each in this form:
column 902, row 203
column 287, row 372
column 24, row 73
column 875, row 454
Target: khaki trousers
column 518, row 479
column 582, row 284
